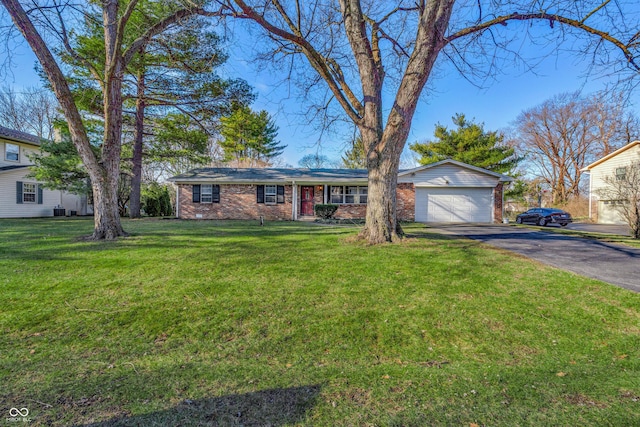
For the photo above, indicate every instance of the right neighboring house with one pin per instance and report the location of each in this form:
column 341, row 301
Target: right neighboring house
column 612, row 166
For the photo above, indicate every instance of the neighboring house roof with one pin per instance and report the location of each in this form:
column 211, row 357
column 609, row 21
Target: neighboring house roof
column 501, row 177
column 276, row 175
column 13, row 167
column 17, row 136
column 609, row 156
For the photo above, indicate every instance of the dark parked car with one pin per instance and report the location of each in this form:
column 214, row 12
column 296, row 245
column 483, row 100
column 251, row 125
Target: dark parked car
column 544, row 216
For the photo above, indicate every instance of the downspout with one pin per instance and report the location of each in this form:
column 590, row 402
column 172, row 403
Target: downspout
column 590, row 195
column 502, row 205
column 294, row 201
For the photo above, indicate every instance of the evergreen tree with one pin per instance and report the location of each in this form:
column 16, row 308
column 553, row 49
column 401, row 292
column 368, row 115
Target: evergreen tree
column 249, row 138
column 470, row 144
column 355, row 158
column 171, row 93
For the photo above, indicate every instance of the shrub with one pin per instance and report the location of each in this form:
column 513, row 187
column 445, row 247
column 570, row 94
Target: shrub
column 325, row 211
column 156, row 200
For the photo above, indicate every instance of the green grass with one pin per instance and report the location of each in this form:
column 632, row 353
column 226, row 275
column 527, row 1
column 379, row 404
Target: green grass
column 214, row 323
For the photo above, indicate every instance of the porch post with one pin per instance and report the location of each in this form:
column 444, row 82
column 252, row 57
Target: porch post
column 294, row 201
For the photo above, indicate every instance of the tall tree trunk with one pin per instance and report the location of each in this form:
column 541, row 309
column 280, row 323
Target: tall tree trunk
column 381, row 223
column 105, row 202
column 103, row 174
column 136, row 178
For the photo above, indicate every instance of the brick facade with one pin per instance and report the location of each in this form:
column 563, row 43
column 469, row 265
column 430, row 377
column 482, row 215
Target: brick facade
column 497, row 203
column 406, row 202
column 238, row 201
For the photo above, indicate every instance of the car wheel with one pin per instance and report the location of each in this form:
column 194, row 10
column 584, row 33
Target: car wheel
column 518, row 220
column 542, row 222
column 564, row 224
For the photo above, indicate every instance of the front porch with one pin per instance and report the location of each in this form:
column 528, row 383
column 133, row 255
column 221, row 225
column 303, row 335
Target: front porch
column 350, row 199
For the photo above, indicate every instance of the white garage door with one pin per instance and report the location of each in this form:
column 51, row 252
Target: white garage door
column 454, row 204
column 608, row 213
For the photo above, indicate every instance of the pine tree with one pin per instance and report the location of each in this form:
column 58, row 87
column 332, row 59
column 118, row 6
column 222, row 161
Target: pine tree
column 470, row 144
column 249, row 138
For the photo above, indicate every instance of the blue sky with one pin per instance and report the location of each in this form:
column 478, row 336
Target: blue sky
column 497, row 104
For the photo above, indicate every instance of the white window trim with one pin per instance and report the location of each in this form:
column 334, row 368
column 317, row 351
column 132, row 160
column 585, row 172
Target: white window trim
column 6, row 152
column 343, row 195
column 270, row 198
column 206, row 194
column 25, row 192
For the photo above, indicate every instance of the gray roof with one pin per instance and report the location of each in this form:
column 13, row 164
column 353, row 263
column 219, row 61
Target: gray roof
column 16, row 135
column 249, row 175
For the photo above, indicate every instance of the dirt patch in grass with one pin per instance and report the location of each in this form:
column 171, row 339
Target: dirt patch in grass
column 582, row 400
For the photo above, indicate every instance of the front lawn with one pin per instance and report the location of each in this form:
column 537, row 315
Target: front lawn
column 228, row 323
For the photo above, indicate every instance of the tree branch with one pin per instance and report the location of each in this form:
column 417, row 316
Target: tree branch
column 503, row 20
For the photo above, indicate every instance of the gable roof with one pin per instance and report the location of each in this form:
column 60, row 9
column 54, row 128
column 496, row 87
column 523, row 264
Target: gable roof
column 276, row 175
column 501, row 177
column 609, row 156
column 18, row 136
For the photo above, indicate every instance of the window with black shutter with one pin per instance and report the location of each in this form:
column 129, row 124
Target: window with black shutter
column 215, row 194
column 196, row 193
column 260, row 193
column 280, row 193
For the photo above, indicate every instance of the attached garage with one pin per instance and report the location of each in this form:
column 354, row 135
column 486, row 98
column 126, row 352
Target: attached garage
column 454, row 205
column 454, row 192
column 608, row 214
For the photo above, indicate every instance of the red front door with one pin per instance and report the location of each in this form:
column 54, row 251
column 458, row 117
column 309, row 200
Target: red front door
column 306, row 203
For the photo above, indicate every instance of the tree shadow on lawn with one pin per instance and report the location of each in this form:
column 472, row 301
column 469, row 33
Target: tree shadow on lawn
column 274, row 407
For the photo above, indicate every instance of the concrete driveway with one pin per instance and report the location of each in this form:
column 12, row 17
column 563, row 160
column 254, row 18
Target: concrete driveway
column 622, row 230
column 611, row 263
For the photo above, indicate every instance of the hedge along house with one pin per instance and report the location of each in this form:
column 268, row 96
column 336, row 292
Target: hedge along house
column 447, row 191
column 22, row 196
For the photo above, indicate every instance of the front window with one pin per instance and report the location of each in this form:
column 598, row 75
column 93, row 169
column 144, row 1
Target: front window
column 270, row 193
column 12, row 152
column 29, row 192
column 349, row 194
column 206, row 193
column 621, row 174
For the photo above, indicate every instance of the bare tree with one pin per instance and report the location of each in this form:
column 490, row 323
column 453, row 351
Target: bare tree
column 623, row 189
column 33, row 110
column 44, row 27
column 366, row 50
column 567, row 132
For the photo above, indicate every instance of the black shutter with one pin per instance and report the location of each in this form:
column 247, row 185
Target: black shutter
column 39, row 194
column 19, row 192
column 215, row 194
column 260, row 193
column 280, row 194
column 196, row 193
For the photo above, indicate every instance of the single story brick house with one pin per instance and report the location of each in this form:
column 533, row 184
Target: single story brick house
column 446, row 191
column 22, row 196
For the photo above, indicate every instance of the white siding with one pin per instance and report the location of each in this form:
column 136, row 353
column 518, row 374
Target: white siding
column 23, row 158
column 608, row 169
column 454, row 205
column 449, row 175
column 9, row 208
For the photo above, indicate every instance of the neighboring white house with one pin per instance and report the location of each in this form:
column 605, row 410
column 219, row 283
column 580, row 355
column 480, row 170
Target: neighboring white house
column 614, row 165
column 20, row 196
